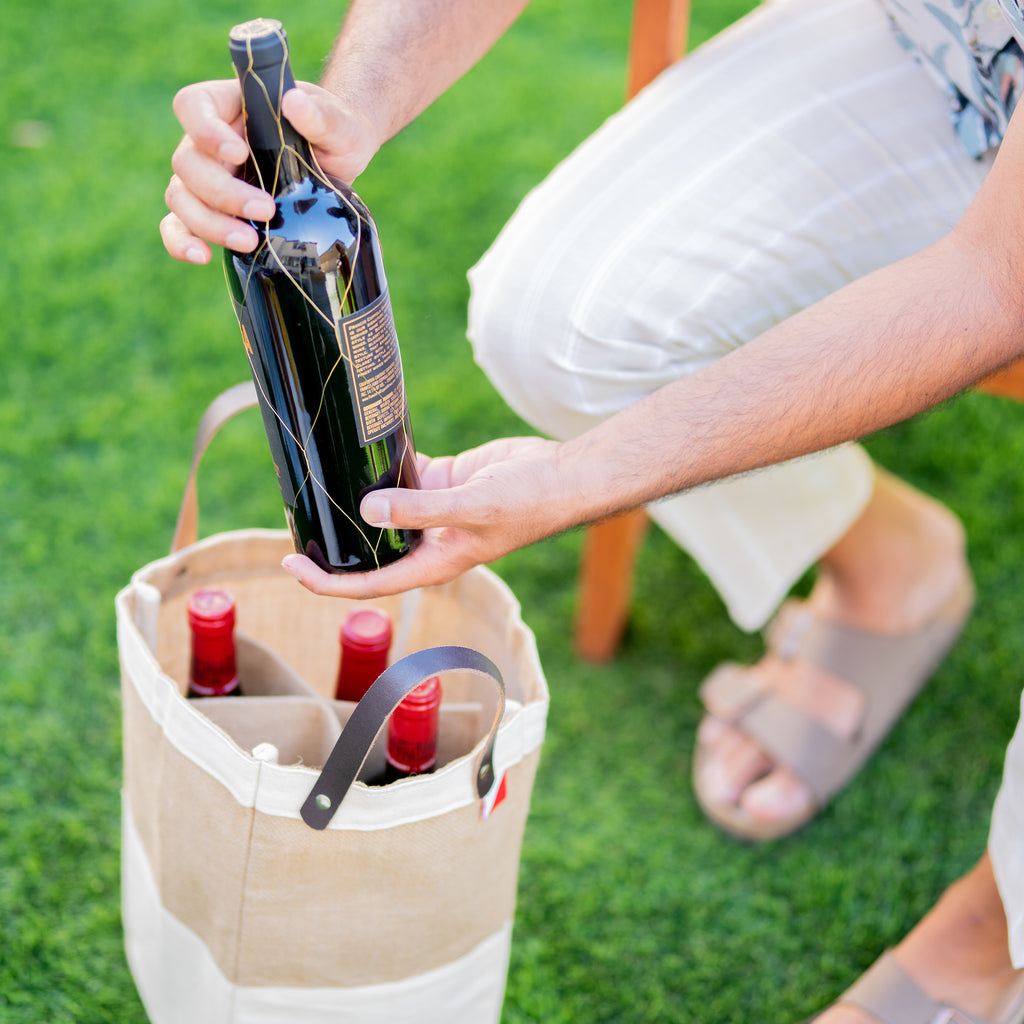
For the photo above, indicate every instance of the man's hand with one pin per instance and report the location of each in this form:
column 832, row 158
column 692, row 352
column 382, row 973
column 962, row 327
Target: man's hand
column 207, row 203
column 473, row 508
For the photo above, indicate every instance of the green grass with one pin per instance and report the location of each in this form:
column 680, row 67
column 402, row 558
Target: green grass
column 632, row 908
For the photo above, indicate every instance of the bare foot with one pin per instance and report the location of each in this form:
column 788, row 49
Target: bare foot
column 958, row 953
column 892, row 572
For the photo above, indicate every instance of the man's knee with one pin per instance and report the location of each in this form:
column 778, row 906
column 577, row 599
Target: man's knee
column 519, row 326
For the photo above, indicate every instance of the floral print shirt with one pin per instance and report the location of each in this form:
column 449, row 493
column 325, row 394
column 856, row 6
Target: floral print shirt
column 974, row 49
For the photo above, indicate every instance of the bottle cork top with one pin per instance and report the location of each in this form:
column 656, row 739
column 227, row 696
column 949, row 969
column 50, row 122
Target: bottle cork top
column 256, row 29
column 262, row 41
column 424, row 696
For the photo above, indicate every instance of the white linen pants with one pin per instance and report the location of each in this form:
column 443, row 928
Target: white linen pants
column 797, row 151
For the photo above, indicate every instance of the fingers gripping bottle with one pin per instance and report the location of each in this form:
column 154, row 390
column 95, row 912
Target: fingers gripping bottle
column 313, row 305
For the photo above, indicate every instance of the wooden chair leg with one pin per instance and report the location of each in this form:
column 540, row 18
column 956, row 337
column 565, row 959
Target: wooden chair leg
column 606, row 584
column 1008, row 382
column 658, row 39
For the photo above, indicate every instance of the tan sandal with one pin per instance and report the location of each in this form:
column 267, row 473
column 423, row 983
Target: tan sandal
column 889, row 670
column 891, row 996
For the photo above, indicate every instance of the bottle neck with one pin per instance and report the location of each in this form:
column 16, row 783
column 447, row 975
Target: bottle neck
column 365, row 641
column 213, row 671
column 412, row 731
column 357, row 672
column 280, row 154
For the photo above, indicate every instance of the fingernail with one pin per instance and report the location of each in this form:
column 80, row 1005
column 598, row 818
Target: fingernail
column 194, row 254
column 259, row 209
column 233, row 152
column 299, row 100
column 292, row 565
column 376, row 510
column 240, row 241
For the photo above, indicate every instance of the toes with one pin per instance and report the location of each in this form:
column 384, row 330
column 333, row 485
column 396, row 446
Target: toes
column 734, row 770
column 710, row 731
column 778, row 796
column 732, row 761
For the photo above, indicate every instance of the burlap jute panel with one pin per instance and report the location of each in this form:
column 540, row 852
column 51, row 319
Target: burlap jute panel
column 263, row 892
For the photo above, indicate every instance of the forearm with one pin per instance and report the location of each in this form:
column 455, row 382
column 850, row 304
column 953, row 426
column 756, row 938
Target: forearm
column 882, row 349
column 876, row 352
column 393, row 58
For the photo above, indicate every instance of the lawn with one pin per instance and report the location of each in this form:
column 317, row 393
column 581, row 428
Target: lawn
column 632, row 907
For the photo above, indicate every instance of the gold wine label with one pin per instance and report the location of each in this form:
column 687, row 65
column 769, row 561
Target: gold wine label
column 370, row 347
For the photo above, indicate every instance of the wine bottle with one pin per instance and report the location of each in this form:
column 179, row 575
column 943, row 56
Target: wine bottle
column 212, row 668
column 412, row 733
column 315, row 313
column 365, row 640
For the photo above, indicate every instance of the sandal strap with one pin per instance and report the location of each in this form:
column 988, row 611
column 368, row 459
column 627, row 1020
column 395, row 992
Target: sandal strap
column 730, row 690
column 738, row 696
column 865, row 659
column 888, row 670
column 794, row 740
column 891, row 996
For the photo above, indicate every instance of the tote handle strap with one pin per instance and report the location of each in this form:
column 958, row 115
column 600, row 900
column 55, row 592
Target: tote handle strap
column 226, row 405
column 372, row 712
column 390, row 689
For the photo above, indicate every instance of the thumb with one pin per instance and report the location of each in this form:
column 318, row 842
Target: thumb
column 341, row 137
column 401, row 508
column 303, row 110
column 375, row 508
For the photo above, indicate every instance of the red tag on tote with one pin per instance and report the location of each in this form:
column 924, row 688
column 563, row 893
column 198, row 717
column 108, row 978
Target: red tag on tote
column 494, row 797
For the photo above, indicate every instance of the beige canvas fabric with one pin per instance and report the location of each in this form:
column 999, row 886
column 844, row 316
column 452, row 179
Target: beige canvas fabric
column 405, row 887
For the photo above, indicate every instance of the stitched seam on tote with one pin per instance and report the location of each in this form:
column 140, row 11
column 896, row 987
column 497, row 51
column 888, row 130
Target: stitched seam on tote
column 243, row 898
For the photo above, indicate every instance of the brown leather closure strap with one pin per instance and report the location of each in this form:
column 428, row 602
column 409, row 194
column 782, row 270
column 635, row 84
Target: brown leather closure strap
column 372, row 712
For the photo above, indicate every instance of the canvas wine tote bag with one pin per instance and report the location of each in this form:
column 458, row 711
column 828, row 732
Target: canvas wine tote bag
column 268, row 887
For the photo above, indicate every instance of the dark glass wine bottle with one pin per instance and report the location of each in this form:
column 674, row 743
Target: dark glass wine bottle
column 313, row 305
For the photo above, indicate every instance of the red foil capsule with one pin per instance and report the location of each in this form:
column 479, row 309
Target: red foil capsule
column 365, row 641
column 212, row 669
column 412, row 732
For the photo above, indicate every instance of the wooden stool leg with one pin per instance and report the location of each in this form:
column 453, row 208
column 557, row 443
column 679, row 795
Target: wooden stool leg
column 606, row 584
